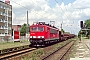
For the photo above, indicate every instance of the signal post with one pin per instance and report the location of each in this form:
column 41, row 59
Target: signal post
column 81, row 25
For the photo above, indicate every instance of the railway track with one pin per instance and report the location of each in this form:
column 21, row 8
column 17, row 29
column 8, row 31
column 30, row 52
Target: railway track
column 13, row 49
column 16, row 53
column 59, row 53
column 12, row 52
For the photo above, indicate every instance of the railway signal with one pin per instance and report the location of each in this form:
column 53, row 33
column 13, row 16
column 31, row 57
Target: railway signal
column 81, row 24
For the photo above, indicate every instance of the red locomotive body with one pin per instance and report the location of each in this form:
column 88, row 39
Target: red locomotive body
column 41, row 33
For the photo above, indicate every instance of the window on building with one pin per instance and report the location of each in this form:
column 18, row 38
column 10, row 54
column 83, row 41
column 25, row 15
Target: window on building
column 0, row 27
column 9, row 28
column 1, row 6
column 1, row 20
column 5, row 33
column 2, row 33
column 1, row 13
column 4, row 7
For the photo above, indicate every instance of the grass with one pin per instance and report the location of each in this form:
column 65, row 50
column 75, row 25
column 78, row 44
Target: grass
column 84, row 38
column 6, row 45
column 35, row 55
column 38, row 53
column 73, row 50
column 24, row 58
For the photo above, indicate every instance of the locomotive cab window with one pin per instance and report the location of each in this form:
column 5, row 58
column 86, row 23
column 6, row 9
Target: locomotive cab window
column 40, row 29
column 34, row 28
column 37, row 29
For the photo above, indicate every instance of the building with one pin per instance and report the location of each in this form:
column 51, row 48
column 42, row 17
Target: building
column 16, row 27
column 16, row 32
column 5, row 19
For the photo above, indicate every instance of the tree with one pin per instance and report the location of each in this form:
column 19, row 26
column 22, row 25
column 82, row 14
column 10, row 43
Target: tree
column 62, row 30
column 86, row 26
column 23, row 30
column 79, row 33
column 87, row 23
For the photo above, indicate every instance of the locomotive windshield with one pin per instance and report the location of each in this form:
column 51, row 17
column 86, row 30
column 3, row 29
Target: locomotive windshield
column 34, row 28
column 37, row 29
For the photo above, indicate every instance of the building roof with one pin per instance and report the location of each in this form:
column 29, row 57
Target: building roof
column 16, row 25
column 5, row 3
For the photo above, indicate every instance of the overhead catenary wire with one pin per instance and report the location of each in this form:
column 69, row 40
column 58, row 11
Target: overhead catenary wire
column 20, row 5
column 42, row 17
column 38, row 6
column 65, row 14
column 61, row 9
column 73, row 23
column 44, row 11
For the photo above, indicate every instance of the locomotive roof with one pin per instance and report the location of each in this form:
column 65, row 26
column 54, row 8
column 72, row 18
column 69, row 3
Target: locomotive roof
column 43, row 24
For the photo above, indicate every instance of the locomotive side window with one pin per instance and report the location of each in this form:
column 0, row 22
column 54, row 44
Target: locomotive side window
column 53, row 31
column 40, row 29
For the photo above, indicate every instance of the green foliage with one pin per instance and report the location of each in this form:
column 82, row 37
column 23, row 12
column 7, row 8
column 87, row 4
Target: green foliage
column 87, row 23
column 35, row 55
column 24, row 58
column 23, row 30
column 62, row 30
column 87, row 26
column 79, row 35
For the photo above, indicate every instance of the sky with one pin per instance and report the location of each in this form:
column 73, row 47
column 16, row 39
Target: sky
column 69, row 13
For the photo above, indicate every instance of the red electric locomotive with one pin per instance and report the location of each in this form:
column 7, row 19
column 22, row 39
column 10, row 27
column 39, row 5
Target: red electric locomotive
column 41, row 34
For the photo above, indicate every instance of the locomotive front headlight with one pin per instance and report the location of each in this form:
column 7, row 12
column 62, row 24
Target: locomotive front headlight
column 34, row 36
column 42, row 36
column 30, row 36
column 39, row 36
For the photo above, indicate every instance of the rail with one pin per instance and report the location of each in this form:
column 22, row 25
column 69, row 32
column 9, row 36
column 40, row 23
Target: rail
column 15, row 52
column 61, row 51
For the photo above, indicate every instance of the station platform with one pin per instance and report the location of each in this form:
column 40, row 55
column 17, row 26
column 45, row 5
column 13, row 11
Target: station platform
column 80, row 59
column 82, row 50
column 88, row 45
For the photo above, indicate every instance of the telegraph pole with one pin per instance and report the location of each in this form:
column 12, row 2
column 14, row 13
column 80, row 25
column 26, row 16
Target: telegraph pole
column 81, row 25
column 61, row 26
column 27, row 18
column 27, row 27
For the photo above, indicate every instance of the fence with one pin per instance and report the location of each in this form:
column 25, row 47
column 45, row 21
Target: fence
column 10, row 39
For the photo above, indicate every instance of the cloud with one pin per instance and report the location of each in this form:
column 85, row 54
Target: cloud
column 39, row 10
column 81, row 4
